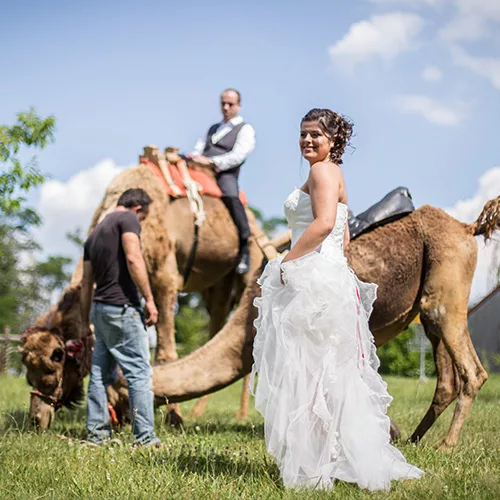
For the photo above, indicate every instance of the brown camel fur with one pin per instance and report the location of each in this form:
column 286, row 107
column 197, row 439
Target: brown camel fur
column 167, row 238
column 423, row 264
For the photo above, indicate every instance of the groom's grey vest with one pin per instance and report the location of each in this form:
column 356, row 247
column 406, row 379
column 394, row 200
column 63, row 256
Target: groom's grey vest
column 223, row 146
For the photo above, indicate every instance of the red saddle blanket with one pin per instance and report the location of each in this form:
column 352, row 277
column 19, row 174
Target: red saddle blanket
column 208, row 184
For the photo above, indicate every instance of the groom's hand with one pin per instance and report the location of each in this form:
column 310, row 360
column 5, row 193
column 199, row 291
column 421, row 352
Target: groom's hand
column 202, row 161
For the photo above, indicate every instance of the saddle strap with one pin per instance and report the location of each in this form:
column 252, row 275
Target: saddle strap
column 162, row 163
column 193, row 193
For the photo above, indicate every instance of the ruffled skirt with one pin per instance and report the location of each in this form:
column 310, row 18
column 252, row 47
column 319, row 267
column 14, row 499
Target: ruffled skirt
column 323, row 402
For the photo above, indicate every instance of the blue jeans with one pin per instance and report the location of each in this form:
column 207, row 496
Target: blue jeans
column 121, row 339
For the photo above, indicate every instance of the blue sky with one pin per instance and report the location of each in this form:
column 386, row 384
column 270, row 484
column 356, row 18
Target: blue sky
column 419, row 78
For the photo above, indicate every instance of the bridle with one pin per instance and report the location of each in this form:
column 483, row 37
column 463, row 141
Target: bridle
column 53, row 401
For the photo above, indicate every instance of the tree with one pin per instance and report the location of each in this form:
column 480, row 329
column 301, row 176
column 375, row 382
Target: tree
column 269, row 224
column 53, row 274
column 16, row 179
column 26, row 285
column 397, row 357
column 77, row 237
column 20, row 288
column 18, row 294
column 191, row 323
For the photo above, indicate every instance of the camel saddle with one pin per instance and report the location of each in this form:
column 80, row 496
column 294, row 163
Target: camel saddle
column 172, row 170
column 392, row 206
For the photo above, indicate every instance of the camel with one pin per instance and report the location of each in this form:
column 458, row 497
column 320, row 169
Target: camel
column 167, row 239
column 422, row 263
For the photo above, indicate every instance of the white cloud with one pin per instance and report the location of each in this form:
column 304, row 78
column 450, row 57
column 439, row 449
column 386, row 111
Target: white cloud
column 383, row 36
column 473, row 20
column 66, row 205
column 431, row 109
column 468, row 19
column 432, row 74
column 487, row 67
column 489, row 253
column 462, row 28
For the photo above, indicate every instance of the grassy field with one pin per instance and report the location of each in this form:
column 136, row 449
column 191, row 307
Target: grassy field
column 220, row 457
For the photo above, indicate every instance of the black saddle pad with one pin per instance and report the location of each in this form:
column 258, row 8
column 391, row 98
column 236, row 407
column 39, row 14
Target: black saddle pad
column 392, row 206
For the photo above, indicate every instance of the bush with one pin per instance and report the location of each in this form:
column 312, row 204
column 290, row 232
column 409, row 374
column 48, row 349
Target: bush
column 191, row 324
column 396, row 358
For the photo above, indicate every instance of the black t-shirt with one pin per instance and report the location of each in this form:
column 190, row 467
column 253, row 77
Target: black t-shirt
column 104, row 250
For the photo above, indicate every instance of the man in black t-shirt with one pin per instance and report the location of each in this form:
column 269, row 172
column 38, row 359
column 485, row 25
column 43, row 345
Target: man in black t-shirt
column 113, row 260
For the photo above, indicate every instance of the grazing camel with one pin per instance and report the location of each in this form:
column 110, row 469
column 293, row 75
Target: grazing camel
column 423, row 264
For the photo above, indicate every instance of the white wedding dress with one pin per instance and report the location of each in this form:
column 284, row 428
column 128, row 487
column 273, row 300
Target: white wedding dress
column 323, row 402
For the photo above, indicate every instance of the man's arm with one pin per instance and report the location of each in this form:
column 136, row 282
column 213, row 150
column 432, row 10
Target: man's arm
column 198, row 147
column 138, row 272
column 86, row 294
column 244, row 145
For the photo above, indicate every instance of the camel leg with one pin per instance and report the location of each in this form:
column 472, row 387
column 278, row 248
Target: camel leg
column 164, row 290
column 245, row 398
column 472, row 375
column 242, row 413
column 447, row 385
column 218, row 302
column 443, row 309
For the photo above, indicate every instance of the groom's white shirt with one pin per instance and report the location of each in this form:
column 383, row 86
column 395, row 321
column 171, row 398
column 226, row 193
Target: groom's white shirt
column 244, row 145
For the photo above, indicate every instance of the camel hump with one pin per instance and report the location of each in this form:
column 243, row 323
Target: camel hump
column 489, row 219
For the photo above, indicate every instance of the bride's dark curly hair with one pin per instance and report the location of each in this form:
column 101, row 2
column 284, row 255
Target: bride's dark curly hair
column 336, row 127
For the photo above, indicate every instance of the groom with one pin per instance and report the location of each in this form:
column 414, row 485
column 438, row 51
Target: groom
column 225, row 148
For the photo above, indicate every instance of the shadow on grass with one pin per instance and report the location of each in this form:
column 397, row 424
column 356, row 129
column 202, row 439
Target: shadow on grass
column 209, row 462
column 66, row 421
column 229, row 462
column 248, row 429
column 15, row 421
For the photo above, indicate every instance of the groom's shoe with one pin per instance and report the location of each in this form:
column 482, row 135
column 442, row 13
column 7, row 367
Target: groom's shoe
column 243, row 265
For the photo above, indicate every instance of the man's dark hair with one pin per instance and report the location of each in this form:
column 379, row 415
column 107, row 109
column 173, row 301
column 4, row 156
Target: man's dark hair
column 134, row 197
column 232, row 90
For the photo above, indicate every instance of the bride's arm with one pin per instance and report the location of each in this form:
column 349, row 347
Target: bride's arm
column 347, row 236
column 324, row 185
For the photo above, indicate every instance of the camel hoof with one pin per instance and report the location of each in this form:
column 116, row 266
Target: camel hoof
column 242, row 415
column 174, row 419
column 446, row 447
column 395, row 432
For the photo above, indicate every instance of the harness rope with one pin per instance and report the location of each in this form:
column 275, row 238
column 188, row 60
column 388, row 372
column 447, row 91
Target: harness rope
column 55, row 402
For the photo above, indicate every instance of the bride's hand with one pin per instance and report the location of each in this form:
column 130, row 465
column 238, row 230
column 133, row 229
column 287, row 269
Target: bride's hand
column 284, row 261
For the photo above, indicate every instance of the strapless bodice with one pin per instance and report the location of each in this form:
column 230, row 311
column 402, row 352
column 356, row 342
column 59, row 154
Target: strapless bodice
column 298, row 212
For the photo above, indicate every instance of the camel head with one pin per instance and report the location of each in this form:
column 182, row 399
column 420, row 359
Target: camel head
column 57, row 356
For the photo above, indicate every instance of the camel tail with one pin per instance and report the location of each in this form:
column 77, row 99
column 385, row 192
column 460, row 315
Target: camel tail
column 489, row 220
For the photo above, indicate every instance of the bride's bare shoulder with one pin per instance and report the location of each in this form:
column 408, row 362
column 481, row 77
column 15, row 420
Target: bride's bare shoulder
column 325, row 171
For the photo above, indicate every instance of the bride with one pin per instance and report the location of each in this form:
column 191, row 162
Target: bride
column 323, row 402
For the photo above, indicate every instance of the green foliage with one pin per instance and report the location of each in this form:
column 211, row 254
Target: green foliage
column 53, row 273
column 77, row 237
column 496, row 360
column 191, row 323
column 17, row 291
column 26, row 284
column 396, row 358
column 29, row 131
column 269, row 225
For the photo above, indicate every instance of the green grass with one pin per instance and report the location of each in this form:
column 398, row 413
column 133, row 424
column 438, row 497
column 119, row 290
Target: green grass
column 220, row 457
